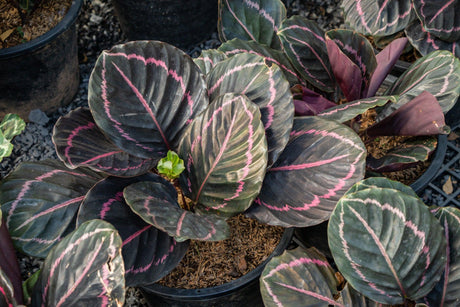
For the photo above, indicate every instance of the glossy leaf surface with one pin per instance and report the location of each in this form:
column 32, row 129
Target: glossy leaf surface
column 321, row 162
column 79, row 142
column 158, row 207
column 446, row 291
column 256, row 20
column 236, row 46
column 377, row 18
column 438, row 73
column 148, row 253
column 404, row 156
column 299, row 277
column 346, row 111
column 305, row 45
column 225, row 155
column 86, row 266
column 441, row 18
column 352, row 60
column 266, row 86
column 387, row 244
column 142, row 95
column 40, row 202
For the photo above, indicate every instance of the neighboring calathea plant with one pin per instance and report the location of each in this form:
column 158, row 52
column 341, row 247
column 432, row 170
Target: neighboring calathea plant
column 430, row 25
column 235, row 131
column 336, row 75
column 10, row 126
column 387, row 245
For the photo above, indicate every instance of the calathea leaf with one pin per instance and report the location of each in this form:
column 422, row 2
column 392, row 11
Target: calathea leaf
column 308, row 102
column 248, row 74
column 256, row 20
column 157, row 206
column 440, row 18
column 321, row 162
column 40, row 202
column 208, row 59
column 377, row 18
column 143, row 94
column 6, row 291
column 225, row 155
column 381, row 182
column 438, row 73
column 420, row 116
column 11, row 125
column 346, row 111
column 79, row 142
column 386, row 59
column 387, row 244
column 148, row 253
column 10, row 275
column 446, row 291
column 352, row 60
column 403, row 157
column 304, row 44
column 425, row 42
column 236, row 46
column 299, row 277
column 89, row 261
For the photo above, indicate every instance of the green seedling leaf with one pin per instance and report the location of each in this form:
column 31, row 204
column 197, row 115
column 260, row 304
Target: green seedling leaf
column 29, row 285
column 11, row 126
column 6, row 148
column 171, row 166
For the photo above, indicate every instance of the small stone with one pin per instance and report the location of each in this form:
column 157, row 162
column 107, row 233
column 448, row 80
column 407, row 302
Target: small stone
column 38, row 117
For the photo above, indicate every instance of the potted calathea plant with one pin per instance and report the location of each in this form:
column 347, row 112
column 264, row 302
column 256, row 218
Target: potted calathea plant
column 41, row 71
column 337, row 75
column 241, row 145
column 429, row 25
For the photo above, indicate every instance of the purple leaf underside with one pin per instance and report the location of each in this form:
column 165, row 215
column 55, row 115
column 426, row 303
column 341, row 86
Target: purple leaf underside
column 308, row 102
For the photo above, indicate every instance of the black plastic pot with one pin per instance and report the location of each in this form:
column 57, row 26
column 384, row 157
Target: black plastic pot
column 243, row 291
column 43, row 73
column 180, row 23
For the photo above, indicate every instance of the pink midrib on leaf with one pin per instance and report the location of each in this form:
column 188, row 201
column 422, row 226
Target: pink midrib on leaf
column 307, row 165
column 362, row 16
column 26, row 187
column 262, row 12
column 106, row 206
column 239, row 21
column 388, row 23
column 231, row 72
column 54, row 265
column 145, row 105
column 442, row 9
column 103, row 295
column 3, row 292
column 72, row 135
column 320, row 297
column 295, row 263
column 136, row 234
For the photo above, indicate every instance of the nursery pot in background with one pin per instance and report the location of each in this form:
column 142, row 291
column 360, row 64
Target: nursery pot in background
column 42, row 73
column 243, row 291
column 180, row 23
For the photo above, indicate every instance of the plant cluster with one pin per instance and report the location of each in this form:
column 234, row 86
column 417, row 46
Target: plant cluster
column 103, row 218
column 429, row 25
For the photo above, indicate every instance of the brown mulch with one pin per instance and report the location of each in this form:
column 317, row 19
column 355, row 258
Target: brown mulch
column 15, row 31
column 209, row 264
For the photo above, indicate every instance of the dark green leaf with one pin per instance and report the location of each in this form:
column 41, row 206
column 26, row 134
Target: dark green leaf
column 85, row 266
column 381, row 182
column 208, row 59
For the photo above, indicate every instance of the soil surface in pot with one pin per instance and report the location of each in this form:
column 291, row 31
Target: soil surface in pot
column 15, row 30
column 209, row 264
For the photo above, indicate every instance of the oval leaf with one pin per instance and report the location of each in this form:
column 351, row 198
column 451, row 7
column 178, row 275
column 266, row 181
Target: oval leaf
column 299, row 277
column 225, row 155
column 208, row 59
column 305, row 45
column 79, row 142
column 256, row 20
column 426, row 42
column 387, row 244
column 349, row 110
column 437, row 73
column 157, row 206
column 446, row 291
column 382, row 182
column 441, row 18
column 148, row 253
column 142, row 95
column 353, row 62
column 40, row 202
column 266, row 86
column 377, row 18
column 236, row 46
column 321, row 162
column 89, row 261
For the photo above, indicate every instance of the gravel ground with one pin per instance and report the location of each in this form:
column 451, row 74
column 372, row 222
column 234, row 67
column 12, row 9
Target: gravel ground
column 98, row 30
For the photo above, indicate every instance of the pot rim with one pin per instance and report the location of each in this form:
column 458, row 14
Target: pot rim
column 28, row 47
column 211, row 292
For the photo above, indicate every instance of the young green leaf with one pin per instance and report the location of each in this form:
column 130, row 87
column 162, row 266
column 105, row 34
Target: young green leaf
column 171, row 166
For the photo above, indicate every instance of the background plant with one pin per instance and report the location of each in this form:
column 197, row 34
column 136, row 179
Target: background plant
column 10, row 126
